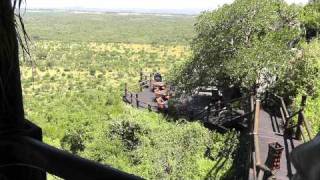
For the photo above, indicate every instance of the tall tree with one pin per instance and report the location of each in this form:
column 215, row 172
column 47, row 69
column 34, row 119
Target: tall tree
column 310, row 17
column 245, row 44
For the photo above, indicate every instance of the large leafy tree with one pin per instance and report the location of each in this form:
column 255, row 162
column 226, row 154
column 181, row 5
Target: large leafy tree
column 246, row 44
column 310, row 17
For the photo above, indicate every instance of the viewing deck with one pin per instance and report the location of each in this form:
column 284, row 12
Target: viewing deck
column 272, row 160
column 262, row 128
column 143, row 99
column 271, row 129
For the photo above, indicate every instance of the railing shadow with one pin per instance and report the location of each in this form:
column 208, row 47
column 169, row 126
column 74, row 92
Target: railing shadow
column 287, row 153
column 221, row 158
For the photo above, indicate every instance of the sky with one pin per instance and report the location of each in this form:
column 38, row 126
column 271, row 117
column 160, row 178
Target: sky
column 133, row 4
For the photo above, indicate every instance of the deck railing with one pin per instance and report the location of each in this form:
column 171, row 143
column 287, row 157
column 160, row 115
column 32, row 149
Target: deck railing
column 134, row 100
column 214, row 109
column 288, row 126
column 24, row 150
column 288, row 119
column 132, row 97
column 41, row 156
column 257, row 165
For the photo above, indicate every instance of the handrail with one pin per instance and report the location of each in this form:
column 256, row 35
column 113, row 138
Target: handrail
column 307, row 126
column 148, row 105
column 256, row 143
column 283, row 106
column 288, row 119
column 217, row 110
column 256, row 131
column 60, row 163
column 139, row 102
column 142, row 84
column 251, row 142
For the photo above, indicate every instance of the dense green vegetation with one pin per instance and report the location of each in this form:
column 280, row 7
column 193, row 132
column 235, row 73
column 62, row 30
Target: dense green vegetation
column 248, row 44
column 73, row 88
column 109, row 27
column 310, row 19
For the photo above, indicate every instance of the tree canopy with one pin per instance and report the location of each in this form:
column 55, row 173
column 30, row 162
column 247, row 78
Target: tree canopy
column 310, row 17
column 246, row 44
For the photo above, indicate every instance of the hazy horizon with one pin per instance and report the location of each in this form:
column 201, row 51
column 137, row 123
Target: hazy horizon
column 143, row 6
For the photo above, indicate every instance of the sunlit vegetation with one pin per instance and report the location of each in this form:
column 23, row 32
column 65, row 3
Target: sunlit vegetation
column 110, row 27
column 251, row 44
column 312, row 51
column 74, row 81
column 73, row 88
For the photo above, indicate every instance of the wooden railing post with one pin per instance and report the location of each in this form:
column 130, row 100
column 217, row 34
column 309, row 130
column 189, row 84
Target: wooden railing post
column 125, row 90
column 208, row 112
column 256, row 131
column 299, row 132
column 252, row 110
column 141, row 75
column 286, row 114
column 307, row 125
column 303, row 101
column 150, row 80
column 267, row 98
column 252, row 145
column 299, row 127
column 137, row 100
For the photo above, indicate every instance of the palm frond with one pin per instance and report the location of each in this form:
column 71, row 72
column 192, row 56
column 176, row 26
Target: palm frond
column 22, row 34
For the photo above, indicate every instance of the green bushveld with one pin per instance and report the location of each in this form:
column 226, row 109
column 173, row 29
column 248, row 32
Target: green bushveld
column 73, row 90
column 312, row 53
column 241, row 43
column 310, row 17
column 110, row 27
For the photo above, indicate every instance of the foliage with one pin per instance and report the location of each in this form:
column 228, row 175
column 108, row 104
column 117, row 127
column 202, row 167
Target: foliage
column 310, row 17
column 73, row 90
column 116, row 134
column 245, row 44
column 312, row 54
column 109, row 27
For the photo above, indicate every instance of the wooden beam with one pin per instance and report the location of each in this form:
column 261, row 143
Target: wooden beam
column 307, row 125
column 256, row 131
